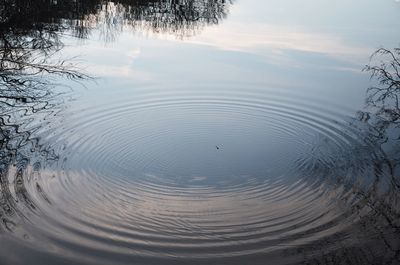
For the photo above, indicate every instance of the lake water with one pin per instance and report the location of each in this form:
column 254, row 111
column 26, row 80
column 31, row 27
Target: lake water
column 199, row 132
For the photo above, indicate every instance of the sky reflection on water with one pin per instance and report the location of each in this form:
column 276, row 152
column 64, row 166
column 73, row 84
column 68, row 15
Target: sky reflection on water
column 214, row 132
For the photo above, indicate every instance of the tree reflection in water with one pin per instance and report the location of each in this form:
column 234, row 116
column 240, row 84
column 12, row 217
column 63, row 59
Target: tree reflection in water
column 178, row 17
column 31, row 35
column 371, row 171
column 27, row 82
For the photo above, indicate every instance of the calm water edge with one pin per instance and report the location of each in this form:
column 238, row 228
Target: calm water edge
column 199, row 132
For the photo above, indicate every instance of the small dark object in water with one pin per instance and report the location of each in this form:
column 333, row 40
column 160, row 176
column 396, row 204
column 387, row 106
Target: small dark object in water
column 23, row 100
column 217, row 147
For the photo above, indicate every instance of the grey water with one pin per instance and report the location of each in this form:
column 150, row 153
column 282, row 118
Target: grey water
column 199, row 132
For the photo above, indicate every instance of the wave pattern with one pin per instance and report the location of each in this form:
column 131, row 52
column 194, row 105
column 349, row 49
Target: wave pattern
column 203, row 175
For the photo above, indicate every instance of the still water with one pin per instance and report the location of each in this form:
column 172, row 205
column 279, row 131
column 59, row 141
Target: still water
column 199, row 132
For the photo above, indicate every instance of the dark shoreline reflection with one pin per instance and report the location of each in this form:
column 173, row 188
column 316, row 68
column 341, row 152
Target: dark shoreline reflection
column 179, row 17
column 29, row 83
column 373, row 195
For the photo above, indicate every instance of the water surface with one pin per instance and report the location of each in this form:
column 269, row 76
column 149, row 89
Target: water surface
column 198, row 132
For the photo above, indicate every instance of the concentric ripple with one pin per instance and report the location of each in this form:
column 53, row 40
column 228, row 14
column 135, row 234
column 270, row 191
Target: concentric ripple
column 216, row 174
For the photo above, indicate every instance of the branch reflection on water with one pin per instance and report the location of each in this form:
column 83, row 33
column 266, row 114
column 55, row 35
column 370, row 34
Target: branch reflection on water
column 31, row 36
column 370, row 173
column 180, row 17
column 28, row 85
